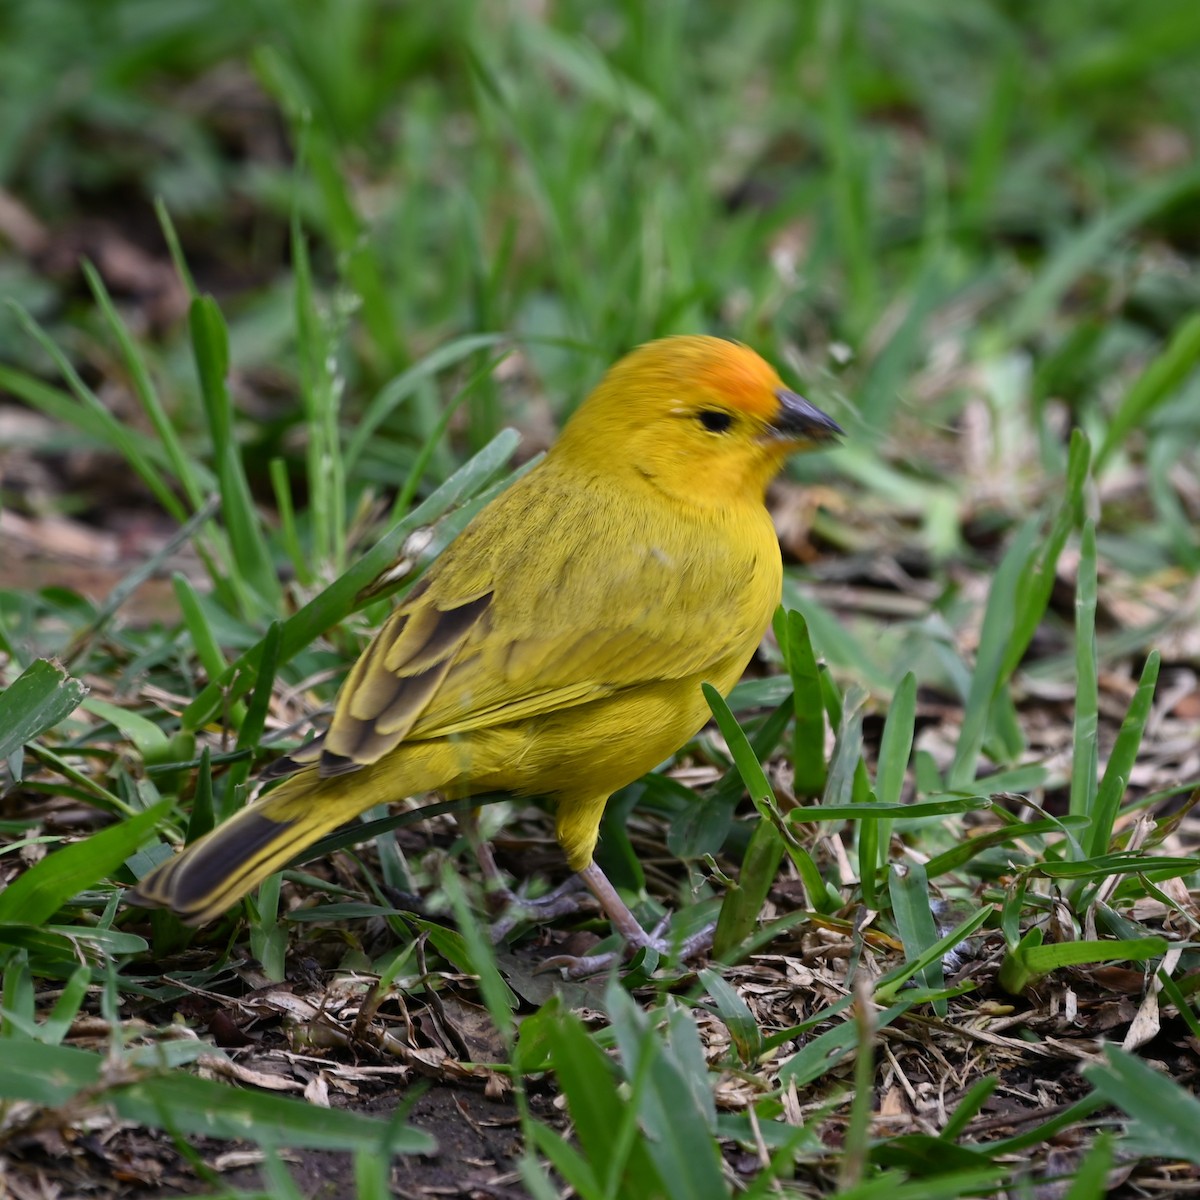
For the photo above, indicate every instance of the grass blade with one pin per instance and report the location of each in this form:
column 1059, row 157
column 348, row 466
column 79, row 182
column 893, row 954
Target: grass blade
column 341, row 597
column 37, row 894
column 1085, row 762
column 994, row 637
column 252, row 560
column 37, row 700
column 761, row 792
column 192, row 477
column 895, row 749
column 912, row 907
column 1120, row 762
column 1165, row 1116
column 808, row 735
column 1161, row 379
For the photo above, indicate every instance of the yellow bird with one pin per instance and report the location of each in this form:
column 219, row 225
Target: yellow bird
column 557, row 647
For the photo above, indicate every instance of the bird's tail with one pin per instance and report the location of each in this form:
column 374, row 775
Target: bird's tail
column 216, row 871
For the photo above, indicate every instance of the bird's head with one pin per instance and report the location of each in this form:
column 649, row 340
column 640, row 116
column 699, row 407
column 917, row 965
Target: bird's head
column 702, row 419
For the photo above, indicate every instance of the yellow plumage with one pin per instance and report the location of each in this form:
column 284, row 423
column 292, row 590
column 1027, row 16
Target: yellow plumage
column 557, row 647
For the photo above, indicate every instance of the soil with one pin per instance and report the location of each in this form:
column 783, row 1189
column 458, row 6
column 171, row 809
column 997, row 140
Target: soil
column 476, row 1159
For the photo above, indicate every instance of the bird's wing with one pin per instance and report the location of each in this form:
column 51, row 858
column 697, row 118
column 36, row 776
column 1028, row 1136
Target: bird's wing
column 547, row 601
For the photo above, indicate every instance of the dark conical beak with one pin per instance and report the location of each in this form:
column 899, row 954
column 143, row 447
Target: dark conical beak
column 797, row 420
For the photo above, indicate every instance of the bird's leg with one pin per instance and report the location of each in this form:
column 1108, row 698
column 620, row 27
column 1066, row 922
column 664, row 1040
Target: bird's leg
column 501, row 899
column 565, row 900
column 498, row 894
column 630, row 929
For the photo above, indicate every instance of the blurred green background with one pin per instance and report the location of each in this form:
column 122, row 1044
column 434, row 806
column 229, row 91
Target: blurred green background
column 909, row 205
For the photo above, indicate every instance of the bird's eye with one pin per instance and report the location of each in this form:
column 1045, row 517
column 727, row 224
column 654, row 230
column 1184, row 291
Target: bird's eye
column 714, row 420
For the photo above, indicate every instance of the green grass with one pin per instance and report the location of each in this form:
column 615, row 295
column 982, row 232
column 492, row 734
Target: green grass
column 968, row 234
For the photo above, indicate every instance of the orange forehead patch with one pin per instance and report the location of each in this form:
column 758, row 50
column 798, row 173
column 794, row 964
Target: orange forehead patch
column 728, row 371
column 741, row 378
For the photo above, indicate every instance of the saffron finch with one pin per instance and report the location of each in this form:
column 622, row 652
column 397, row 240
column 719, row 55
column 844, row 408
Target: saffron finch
column 557, row 647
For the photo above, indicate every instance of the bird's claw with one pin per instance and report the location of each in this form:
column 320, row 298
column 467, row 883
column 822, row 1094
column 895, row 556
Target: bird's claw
column 562, row 901
column 580, row 966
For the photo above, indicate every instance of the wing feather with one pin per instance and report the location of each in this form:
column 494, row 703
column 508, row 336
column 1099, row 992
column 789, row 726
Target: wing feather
column 394, row 680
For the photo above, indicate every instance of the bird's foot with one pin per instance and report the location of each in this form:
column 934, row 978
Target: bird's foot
column 566, row 900
column 509, row 908
column 578, row 966
column 563, row 901
column 631, row 932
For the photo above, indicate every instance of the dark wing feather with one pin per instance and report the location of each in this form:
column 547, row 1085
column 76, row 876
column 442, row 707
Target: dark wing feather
column 395, row 678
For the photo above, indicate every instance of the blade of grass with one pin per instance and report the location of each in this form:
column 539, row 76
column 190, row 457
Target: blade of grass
column 703, row 828
column 763, row 796
column 149, row 739
column 281, row 487
column 54, row 1075
column 566, row 1161
column 1091, row 1176
column 966, row 1110
column 202, row 817
column 850, row 212
column 912, row 907
column 195, row 481
column 203, row 640
column 847, row 751
column 888, row 987
column 1031, row 960
column 253, row 563
column 89, row 413
column 425, row 454
column 497, row 995
column 827, row 1049
column 1161, row 379
column 1120, row 761
column 397, row 390
column 744, row 899
column 808, row 731
column 678, row 1125
column 1033, row 594
column 855, row 1149
column 986, row 162
column 1085, row 762
column 175, row 247
column 1165, row 1116
column 147, row 569
column 960, row 855
column 1084, row 249
column 37, row 894
column 990, row 655
column 605, row 1122
column 895, row 749
column 320, row 391
column 737, row 1017
column 37, row 700
column 340, row 598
